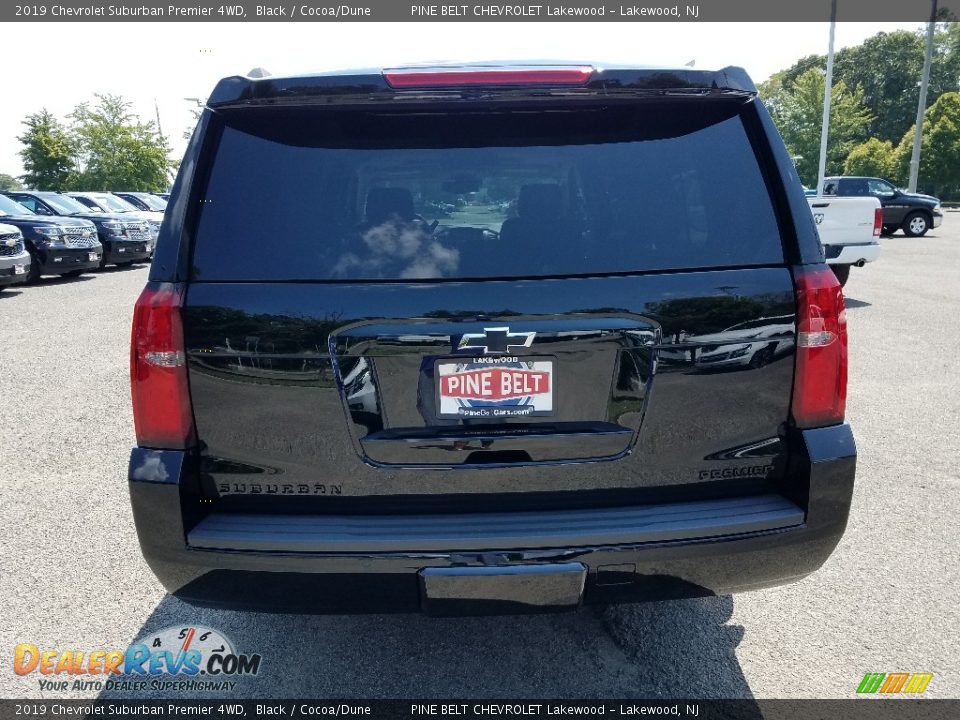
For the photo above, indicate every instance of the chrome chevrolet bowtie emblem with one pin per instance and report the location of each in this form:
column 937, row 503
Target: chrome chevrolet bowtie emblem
column 497, row 340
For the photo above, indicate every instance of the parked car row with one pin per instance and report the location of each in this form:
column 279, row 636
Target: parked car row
column 55, row 233
column 914, row 213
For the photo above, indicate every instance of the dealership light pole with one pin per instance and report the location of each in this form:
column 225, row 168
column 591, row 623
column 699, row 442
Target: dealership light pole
column 159, row 126
column 922, row 105
column 827, row 97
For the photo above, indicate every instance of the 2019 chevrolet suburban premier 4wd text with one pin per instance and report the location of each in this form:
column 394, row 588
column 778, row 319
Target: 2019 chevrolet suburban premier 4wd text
column 435, row 338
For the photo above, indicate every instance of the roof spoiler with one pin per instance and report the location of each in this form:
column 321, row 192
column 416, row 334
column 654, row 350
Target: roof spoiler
column 373, row 85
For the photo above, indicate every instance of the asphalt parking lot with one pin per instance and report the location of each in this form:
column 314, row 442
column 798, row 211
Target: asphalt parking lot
column 72, row 577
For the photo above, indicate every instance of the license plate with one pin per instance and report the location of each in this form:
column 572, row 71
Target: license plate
column 19, row 269
column 490, row 388
column 92, row 256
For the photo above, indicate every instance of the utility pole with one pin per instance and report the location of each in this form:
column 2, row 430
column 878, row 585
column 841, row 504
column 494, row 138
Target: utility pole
column 922, row 105
column 827, row 98
column 159, row 126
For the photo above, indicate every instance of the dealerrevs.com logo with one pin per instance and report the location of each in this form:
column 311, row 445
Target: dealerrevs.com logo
column 176, row 658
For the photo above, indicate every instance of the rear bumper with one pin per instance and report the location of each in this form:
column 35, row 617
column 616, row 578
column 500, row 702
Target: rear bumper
column 491, row 562
column 123, row 251
column 852, row 254
column 57, row 261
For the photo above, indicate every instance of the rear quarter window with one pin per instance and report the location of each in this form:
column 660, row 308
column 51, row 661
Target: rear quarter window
column 301, row 194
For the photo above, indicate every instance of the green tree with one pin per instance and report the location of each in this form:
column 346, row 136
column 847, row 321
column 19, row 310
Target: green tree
column 47, row 153
column 801, row 117
column 939, row 149
column 9, row 182
column 773, row 89
column 873, row 158
column 945, row 68
column 771, row 92
column 116, row 150
column 188, row 133
column 887, row 69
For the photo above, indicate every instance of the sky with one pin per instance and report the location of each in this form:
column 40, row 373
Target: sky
column 157, row 65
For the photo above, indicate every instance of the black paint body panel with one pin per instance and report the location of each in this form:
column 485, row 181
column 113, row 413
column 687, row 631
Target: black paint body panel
column 275, row 419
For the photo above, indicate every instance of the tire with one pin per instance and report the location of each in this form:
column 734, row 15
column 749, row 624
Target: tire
column 34, row 274
column 761, row 357
column 842, row 272
column 103, row 260
column 916, row 224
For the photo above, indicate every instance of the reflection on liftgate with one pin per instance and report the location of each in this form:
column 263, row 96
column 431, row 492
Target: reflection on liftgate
column 536, row 336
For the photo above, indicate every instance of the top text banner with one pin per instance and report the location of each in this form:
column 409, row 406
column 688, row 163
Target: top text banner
column 553, row 11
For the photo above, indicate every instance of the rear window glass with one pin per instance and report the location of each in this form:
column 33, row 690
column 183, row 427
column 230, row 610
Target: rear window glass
column 306, row 195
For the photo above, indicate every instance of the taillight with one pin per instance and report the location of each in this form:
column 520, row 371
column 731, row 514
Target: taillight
column 820, row 382
column 877, row 221
column 442, row 77
column 158, row 370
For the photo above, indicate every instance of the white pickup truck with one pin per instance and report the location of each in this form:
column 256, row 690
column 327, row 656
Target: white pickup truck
column 849, row 228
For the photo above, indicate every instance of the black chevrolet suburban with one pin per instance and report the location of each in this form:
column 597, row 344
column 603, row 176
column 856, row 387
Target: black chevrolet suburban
column 434, row 339
column 143, row 201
